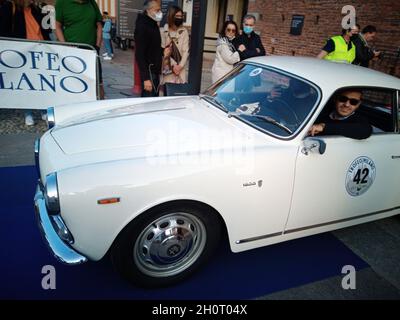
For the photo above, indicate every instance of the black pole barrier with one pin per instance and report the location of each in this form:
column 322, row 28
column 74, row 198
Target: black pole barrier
column 197, row 45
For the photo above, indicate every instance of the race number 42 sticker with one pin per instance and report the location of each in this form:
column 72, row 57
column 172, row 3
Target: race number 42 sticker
column 360, row 176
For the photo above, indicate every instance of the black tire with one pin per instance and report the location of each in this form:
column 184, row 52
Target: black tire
column 123, row 44
column 165, row 246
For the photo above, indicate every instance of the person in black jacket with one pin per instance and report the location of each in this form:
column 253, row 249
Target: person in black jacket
column 148, row 50
column 249, row 44
column 364, row 53
column 22, row 9
column 344, row 120
column 6, row 13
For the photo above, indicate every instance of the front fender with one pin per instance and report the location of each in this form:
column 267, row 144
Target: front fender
column 138, row 185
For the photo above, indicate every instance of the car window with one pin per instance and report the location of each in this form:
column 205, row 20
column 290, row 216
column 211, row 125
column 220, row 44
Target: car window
column 377, row 106
column 268, row 99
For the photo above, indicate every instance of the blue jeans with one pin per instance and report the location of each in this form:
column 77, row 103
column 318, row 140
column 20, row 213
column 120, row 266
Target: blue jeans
column 108, row 46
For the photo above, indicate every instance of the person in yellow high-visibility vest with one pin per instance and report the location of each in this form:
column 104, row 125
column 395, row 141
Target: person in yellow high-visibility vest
column 339, row 48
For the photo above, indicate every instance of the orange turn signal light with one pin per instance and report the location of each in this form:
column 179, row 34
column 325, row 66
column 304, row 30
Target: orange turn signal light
column 108, row 200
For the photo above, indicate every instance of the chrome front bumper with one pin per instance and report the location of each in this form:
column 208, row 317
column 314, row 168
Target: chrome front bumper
column 61, row 250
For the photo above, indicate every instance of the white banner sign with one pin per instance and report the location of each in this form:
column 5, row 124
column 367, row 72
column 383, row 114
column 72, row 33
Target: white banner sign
column 39, row 75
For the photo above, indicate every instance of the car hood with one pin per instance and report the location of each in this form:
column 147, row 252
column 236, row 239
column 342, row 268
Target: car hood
column 159, row 127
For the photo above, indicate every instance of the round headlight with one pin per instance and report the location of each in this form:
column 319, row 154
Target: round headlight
column 51, row 194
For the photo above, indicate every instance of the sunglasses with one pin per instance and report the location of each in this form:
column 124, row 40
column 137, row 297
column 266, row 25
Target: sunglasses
column 230, row 30
column 352, row 101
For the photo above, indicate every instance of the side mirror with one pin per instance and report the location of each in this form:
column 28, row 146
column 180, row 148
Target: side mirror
column 311, row 143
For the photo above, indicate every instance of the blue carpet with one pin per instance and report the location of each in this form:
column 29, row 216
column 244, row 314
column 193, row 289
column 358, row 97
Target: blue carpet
column 228, row 277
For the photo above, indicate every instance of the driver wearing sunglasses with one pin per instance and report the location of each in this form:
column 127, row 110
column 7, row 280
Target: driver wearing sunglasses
column 344, row 120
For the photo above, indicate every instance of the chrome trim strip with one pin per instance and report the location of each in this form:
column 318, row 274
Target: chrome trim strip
column 60, row 250
column 314, row 226
column 259, row 238
column 37, row 149
column 51, row 120
column 51, row 193
column 341, row 220
column 108, row 116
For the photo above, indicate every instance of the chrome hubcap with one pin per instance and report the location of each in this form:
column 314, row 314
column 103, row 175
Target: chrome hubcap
column 170, row 244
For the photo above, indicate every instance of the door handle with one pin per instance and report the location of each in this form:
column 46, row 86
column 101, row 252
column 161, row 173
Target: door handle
column 395, row 157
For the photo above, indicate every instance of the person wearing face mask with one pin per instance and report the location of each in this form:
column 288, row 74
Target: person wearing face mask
column 226, row 55
column 339, row 48
column 355, row 30
column 175, row 36
column 249, row 43
column 148, row 50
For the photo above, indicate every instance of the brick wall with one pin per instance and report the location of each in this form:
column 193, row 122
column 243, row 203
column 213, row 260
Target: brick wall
column 322, row 20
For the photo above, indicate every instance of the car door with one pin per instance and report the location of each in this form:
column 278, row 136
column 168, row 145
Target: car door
column 353, row 178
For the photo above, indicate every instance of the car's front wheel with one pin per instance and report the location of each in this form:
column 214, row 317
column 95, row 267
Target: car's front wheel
column 165, row 246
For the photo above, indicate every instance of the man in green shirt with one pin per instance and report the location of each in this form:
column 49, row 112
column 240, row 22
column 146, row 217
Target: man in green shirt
column 79, row 21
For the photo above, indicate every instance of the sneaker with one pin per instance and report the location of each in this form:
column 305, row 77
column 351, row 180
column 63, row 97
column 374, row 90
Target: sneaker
column 107, row 58
column 104, row 54
column 29, row 120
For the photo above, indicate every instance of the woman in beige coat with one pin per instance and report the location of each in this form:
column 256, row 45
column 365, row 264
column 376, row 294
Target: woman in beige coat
column 175, row 71
column 226, row 55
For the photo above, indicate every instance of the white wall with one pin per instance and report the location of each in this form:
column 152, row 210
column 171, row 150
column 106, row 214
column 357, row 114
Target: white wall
column 187, row 7
column 108, row 5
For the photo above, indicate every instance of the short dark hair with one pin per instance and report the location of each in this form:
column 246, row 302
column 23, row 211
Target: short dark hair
column 358, row 90
column 148, row 3
column 369, row 29
column 344, row 31
column 225, row 25
column 249, row 16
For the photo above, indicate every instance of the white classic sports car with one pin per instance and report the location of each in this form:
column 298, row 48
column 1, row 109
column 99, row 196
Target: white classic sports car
column 156, row 182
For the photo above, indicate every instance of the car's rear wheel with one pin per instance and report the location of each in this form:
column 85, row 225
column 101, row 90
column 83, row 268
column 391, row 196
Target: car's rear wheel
column 165, row 246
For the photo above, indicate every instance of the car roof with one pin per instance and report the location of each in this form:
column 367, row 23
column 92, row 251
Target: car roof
column 327, row 74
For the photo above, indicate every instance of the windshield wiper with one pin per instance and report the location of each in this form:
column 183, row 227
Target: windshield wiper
column 265, row 118
column 214, row 100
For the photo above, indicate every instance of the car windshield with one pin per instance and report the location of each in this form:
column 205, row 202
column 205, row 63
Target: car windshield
column 268, row 99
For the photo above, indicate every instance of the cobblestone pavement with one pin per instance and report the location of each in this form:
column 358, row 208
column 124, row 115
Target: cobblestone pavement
column 118, row 83
column 12, row 121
